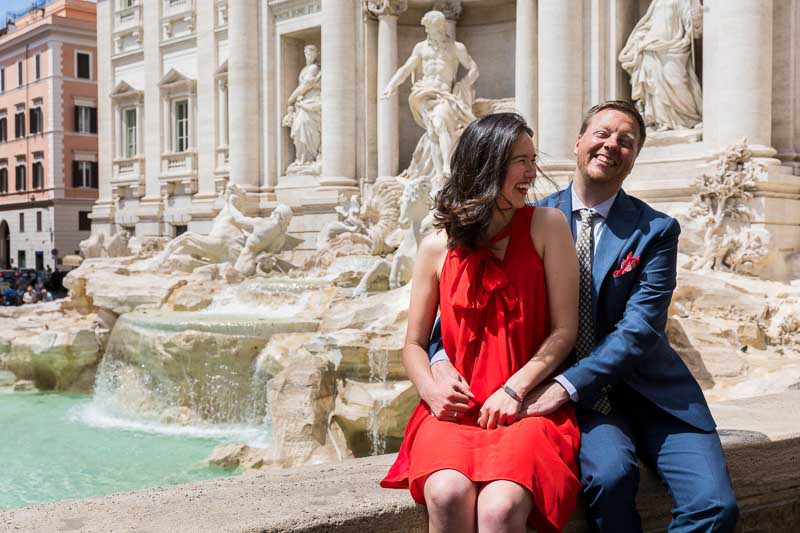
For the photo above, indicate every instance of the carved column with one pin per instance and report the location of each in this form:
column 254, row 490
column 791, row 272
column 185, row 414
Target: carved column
column 103, row 209
column 243, row 71
column 737, row 73
column 560, row 80
column 387, row 12
column 526, row 92
column 338, row 56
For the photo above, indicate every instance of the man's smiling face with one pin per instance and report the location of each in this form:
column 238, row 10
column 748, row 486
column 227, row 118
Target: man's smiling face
column 606, row 151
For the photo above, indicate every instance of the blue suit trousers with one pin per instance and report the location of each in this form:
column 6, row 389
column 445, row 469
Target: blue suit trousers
column 690, row 462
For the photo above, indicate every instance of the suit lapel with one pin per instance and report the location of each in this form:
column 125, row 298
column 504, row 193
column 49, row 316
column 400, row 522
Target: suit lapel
column 620, row 224
column 564, row 203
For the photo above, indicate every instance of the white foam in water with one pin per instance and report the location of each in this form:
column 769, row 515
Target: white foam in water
column 94, row 415
column 231, row 301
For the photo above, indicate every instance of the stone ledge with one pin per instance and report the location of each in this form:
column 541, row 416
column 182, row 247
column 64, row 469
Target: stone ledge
column 763, row 453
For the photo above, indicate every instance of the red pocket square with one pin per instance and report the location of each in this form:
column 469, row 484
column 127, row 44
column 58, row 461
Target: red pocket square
column 628, row 264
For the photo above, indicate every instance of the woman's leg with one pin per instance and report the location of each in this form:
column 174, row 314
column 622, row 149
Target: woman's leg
column 503, row 506
column 450, row 497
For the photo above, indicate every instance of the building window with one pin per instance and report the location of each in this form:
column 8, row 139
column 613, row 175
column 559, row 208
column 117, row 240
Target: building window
column 181, row 125
column 21, row 263
column 83, row 65
column 38, row 66
column 2, row 80
column 129, row 120
column 84, row 175
column 36, row 124
column 19, row 73
column 3, row 129
column 85, row 119
column 4, row 180
column 39, row 221
column 19, row 124
column 22, row 223
column 84, row 222
column 39, row 261
column 37, row 169
column 20, row 177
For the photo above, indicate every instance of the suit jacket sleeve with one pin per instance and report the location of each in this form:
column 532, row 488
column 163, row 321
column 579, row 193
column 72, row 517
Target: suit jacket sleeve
column 642, row 325
column 436, row 339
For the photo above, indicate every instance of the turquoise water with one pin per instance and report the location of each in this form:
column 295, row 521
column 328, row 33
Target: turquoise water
column 49, row 452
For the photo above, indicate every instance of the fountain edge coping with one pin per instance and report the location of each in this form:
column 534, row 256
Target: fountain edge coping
column 763, row 452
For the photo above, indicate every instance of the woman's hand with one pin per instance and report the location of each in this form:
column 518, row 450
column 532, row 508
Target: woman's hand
column 447, row 400
column 500, row 409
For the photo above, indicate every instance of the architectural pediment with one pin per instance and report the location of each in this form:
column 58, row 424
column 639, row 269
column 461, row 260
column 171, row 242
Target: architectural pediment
column 124, row 91
column 174, row 80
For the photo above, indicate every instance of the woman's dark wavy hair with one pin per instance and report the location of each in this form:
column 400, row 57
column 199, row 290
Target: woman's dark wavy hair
column 465, row 203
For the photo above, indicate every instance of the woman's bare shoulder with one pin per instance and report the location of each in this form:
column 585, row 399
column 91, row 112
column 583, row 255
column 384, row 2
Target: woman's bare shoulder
column 433, row 244
column 549, row 216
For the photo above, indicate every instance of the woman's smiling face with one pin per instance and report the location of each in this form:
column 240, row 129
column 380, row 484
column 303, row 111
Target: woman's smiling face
column 520, row 173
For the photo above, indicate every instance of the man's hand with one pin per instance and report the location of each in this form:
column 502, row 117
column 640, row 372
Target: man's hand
column 449, row 397
column 544, row 399
column 500, row 409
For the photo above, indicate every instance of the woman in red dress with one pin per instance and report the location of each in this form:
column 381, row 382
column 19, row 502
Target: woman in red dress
column 504, row 276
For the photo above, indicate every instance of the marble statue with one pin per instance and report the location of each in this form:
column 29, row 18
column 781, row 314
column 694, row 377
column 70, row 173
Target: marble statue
column 101, row 245
column 415, row 205
column 266, row 235
column 440, row 104
column 350, row 221
column 223, row 243
column 722, row 198
column 304, row 116
column 659, row 56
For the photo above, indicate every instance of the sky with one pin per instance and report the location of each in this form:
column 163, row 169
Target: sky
column 11, row 5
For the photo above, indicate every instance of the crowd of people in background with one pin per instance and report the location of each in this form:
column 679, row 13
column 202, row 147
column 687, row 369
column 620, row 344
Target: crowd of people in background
column 20, row 287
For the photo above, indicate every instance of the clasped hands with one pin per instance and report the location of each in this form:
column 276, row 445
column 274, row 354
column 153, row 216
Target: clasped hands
column 450, row 395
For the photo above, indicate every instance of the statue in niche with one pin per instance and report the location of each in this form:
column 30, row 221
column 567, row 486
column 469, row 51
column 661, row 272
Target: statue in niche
column 659, row 56
column 304, row 116
column 440, row 104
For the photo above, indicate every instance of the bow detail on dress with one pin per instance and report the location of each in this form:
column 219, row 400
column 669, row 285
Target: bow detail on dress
column 481, row 284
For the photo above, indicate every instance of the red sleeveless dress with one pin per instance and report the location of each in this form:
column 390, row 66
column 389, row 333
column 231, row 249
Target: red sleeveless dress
column 494, row 315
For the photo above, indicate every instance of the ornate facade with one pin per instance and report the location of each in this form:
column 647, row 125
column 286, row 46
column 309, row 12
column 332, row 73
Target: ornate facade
column 195, row 92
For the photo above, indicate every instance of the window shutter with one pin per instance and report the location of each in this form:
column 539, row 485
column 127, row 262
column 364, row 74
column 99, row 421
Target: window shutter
column 93, row 115
column 76, row 176
column 32, row 119
column 22, row 124
column 95, row 183
column 77, row 116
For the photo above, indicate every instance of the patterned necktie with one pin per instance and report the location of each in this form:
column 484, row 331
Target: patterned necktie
column 584, row 246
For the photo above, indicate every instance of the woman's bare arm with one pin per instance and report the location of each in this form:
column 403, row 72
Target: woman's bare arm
column 443, row 399
column 553, row 240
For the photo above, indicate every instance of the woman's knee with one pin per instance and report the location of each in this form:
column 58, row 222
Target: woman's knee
column 504, row 506
column 447, row 489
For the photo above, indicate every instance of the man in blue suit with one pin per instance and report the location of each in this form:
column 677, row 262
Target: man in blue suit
column 634, row 395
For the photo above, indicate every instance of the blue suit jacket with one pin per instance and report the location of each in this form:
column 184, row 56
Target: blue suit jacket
column 630, row 312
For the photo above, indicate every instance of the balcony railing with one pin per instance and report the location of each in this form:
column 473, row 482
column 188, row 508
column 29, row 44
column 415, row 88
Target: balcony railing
column 128, row 18
column 175, row 8
column 128, row 174
column 178, row 169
